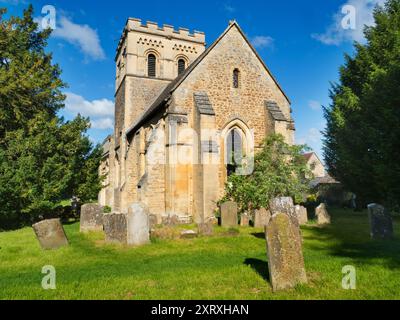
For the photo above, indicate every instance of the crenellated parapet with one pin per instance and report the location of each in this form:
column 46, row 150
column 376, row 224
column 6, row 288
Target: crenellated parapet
column 167, row 31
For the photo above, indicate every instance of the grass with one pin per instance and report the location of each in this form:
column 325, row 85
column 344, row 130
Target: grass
column 219, row 267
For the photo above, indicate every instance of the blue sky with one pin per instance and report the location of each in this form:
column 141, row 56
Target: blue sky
column 302, row 42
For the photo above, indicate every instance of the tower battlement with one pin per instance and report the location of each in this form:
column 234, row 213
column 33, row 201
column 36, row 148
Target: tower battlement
column 167, row 31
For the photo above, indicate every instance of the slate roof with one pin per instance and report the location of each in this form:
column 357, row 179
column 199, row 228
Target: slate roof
column 203, row 103
column 275, row 111
column 167, row 93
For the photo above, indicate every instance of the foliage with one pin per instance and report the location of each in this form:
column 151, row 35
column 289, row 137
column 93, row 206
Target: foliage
column 43, row 159
column 279, row 170
column 362, row 137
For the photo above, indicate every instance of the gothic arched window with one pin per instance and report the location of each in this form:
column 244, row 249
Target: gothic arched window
column 181, row 66
column 151, row 65
column 234, row 148
column 236, row 78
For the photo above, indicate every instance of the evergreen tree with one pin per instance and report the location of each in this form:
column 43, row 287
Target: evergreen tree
column 362, row 138
column 43, row 159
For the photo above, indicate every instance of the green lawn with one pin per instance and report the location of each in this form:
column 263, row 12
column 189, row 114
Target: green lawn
column 219, row 267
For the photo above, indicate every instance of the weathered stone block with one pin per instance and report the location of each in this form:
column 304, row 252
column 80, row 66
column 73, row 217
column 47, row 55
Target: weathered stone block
column 206, row 229
column 91, row 217
column 115, row 228
column 322, row 214
column 381, row 223
column 138, row 225
column 284, row 205
column 285, row 256
column 188, row 234
column 261, row 218
column 51, row 234
column 244, row 220
column 301, row 213
column 229, row 214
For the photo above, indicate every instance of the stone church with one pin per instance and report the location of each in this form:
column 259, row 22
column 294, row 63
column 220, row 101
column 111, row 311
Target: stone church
column 186, row 117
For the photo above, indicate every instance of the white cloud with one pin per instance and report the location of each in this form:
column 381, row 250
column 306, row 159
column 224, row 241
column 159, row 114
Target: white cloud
column 96, row 108
column 261, row 42
column 314, row 105
column 103, row 124
column 82, row 36
column 336, row 34
column 101, row 112
column 312, row 137
column 229, row 8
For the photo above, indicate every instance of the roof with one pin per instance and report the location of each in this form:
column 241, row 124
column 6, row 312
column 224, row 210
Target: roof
column 275, row 111
column 308, row 156
column 323, row 180
column 203, row 103
column 168, row 91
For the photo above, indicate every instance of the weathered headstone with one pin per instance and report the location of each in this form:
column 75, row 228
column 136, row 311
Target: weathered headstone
column 283, row 205
column 51, row 234
column 188, row 234
column 261, row 218
column 285, row 256
column 322, row 214
column 91, row 217
column 138, row 225
column 381, row 223
column 170, row 220
column 229, row 214
column 301, row 213
column 244, row 220
column 115, row 228
column 206, row 228
column 153, row 221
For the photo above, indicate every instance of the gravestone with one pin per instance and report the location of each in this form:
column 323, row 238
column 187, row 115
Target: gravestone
column 206, row 228
column 244, row 220
column 138, row 225
column 91, row 217
column 115, row 228
column 153, row 221
column 301, row 213
column 188, row 234
column 51, row 234
column 229, row 214
column 261, row 218
column 283, row 205
column 322, row 214
column 381, row 222
column 285, row 255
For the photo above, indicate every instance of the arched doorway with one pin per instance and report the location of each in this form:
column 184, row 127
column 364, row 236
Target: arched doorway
column 234, row 150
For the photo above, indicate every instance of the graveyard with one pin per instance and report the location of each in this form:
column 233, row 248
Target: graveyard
column 229, row 264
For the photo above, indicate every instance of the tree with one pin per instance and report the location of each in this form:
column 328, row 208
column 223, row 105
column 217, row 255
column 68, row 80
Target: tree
column 43, row 159
column 279, row 170
column 362, row 137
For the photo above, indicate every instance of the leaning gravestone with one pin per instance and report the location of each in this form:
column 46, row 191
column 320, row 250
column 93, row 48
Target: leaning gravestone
column 322, row 214
column 51, row 234
column 91, row 217
column 138, row 225
column 261, row 218
column 381, row 222
column 301, row 213
column 115, row 228
column 229, row 214
column 285, row 256
column 244, row 220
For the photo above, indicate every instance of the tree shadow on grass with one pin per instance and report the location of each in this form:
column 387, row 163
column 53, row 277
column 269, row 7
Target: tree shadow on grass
column 259, row 266
column 259, row 235
column 348, row 237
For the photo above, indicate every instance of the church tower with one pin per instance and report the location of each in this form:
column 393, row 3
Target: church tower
column 148, row 58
